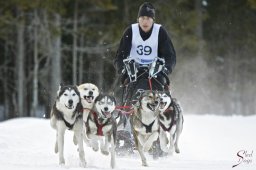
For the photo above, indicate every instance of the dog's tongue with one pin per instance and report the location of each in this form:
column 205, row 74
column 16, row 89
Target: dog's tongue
column 151, row 106
column 107, row 114
column 69, row 106
column 162, row 104
column 89, row 99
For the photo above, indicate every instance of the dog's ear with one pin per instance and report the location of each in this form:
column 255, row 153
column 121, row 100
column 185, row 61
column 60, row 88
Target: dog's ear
column 112, row 96
column 58, row 92
column 114, row 99
column 79, row 108
column 168, row 93
column 76, row 89
column 98, row 97
column 77, row 92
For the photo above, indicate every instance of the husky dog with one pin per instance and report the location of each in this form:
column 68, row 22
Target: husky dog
column 66, row 114
column 171, row 121
column 88, row 93
column 145, row 123
column 101, row 126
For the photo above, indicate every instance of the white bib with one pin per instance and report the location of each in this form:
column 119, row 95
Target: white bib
column 144, row 52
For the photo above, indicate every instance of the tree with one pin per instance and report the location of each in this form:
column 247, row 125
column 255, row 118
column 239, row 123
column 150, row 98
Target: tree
column 20, row 64
column 36, row 65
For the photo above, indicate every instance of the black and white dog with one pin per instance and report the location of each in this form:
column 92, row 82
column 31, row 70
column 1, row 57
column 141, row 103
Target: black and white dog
column 66, row 114
column 144, row 122
column 101, row 126
column 171, row 123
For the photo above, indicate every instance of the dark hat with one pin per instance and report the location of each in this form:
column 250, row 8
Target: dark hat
column 146, row 9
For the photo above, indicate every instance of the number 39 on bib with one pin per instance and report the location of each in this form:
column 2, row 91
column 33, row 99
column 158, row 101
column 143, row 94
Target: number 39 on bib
column 143, row 50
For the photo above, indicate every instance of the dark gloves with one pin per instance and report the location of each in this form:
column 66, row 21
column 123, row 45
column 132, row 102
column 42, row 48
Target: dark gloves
column 165, row 71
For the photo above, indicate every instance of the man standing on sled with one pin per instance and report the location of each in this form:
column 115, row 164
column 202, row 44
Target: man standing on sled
column 145, row 56
column 142, row 43
column 144, row 59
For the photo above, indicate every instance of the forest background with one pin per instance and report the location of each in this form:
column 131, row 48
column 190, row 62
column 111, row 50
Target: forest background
column 47, row 42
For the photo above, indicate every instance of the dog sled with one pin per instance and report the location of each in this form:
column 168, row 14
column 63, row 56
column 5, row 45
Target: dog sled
column 142, row 77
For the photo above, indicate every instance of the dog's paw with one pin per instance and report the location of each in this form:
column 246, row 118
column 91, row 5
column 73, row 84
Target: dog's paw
column 104, row 152
column 62, row 165
column 83, row 164
column 177, row 150
column 144, row 163
column 62, row 162
column 94, row 145
column 95, row 149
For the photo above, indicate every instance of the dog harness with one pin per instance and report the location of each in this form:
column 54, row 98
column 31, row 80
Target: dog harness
column 148, row 127
column 99, row 125
column 60, row 116
column 174, row 118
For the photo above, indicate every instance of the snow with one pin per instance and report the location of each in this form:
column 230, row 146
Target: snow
column 207, row 143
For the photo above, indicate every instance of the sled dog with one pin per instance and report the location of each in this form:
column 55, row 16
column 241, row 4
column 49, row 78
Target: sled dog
column 88, row 93
column 101, row 126
column 66, row 114
column 144, row 122
column 171, row 123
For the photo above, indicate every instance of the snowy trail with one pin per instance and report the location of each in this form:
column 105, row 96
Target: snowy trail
column 207, row 143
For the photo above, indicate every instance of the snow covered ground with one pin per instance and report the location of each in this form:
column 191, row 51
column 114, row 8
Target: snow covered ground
column 207, row 143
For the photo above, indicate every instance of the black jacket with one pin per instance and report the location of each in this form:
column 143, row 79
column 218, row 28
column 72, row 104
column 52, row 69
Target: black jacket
column 165, row 48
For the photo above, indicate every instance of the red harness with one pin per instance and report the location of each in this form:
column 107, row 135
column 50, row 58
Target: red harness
column 150, row 83
column 119, row 108
column 98, row 125
column 123, row 107
column 95, row 118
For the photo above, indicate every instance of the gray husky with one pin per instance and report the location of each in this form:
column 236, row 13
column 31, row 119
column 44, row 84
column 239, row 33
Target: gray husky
column 66, row 114
column 171, row 123
column 101, row 126
column 144, row 122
